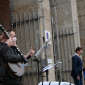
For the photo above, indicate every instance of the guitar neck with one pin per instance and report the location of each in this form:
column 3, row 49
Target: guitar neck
column 4, row 31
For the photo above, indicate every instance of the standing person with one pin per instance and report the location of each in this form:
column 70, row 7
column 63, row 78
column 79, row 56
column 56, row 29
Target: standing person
column 9, row 80
column 6, row 55
column 3, row 50
column 76, row 72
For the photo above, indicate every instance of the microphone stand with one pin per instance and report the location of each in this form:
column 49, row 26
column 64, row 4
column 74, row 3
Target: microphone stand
column 47, row 74
column 36, row 60
column 38, row 55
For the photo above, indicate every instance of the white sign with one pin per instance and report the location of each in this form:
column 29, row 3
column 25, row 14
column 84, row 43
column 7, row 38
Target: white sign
column 49, row 60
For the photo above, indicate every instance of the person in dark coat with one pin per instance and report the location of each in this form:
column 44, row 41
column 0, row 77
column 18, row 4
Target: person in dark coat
column 6, row 55
column 76, row 72
column 9, row 79
column 4, row 48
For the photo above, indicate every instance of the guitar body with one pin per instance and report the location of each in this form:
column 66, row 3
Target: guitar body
column 17, row 68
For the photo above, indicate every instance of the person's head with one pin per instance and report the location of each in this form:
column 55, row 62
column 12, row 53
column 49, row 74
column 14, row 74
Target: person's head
column 12, row 34
column 79, row 50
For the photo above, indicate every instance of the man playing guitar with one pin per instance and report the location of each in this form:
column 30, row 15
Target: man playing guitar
column 9, row 78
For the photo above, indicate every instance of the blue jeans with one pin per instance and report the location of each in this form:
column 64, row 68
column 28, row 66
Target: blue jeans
column 78, row 82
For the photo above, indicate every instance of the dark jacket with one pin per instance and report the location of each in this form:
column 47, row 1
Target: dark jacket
column 9, row 80
column 76, row 66
column 6, row 56
column 3, row 50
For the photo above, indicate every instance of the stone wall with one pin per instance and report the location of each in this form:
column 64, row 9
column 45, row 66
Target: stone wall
column 24, row 6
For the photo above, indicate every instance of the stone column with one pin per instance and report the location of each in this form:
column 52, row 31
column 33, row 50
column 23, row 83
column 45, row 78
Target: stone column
column 45, row 24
